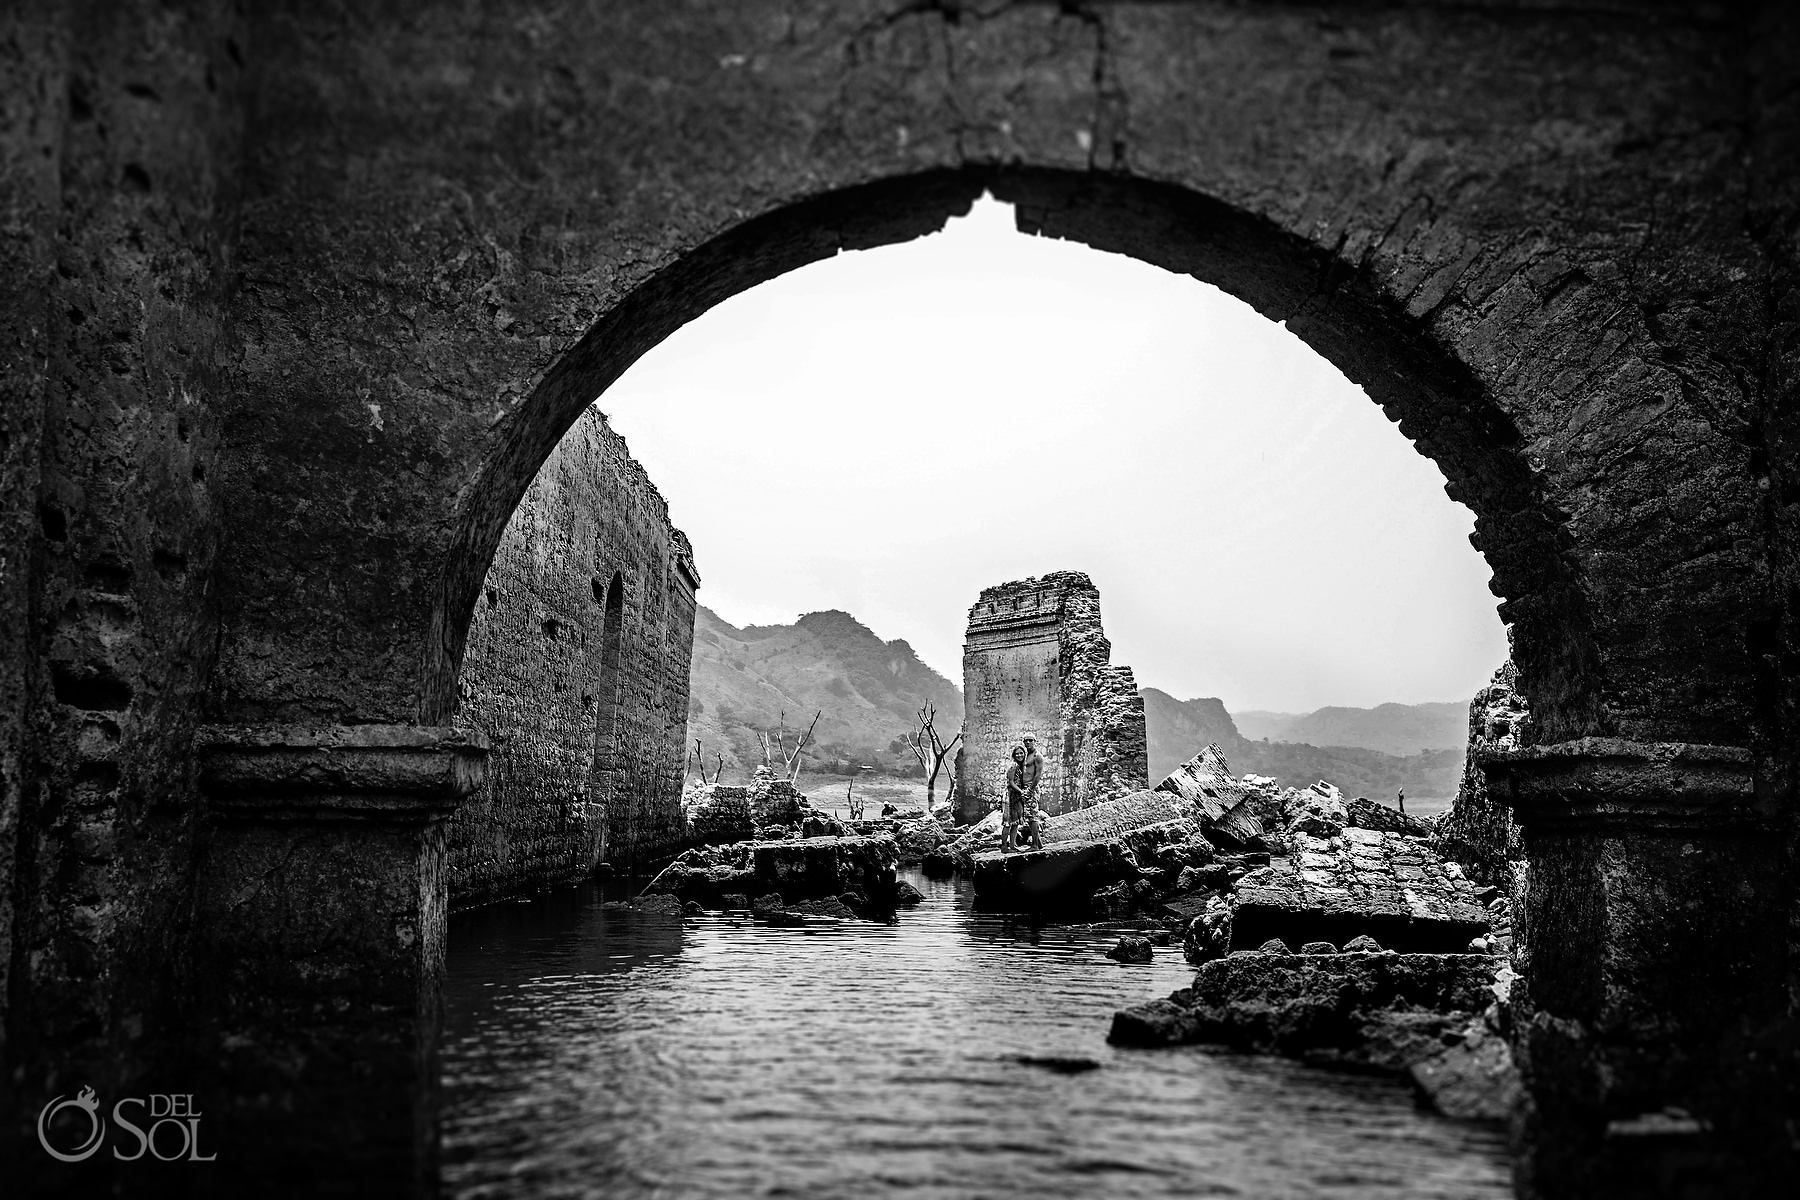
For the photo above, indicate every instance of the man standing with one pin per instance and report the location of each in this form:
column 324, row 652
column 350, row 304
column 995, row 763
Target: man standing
column 1034, row 767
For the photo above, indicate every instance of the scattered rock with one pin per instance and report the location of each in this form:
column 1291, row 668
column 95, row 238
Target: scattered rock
column 1362, row 944
column 916, row 838
column 938, row 864
column 906, row 894
column 767, row 904
column 1057, row 1063
column 1480, row 945
column 1380, row 1011
column 1209, row 933
column 1274, row 946
column 1318, row 810
column 662, row 905
column 1131, row 950
column 1318, row 948
column 830, row 906
column 1474, row 1080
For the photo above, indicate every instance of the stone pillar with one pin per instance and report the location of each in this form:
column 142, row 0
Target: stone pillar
column 1649, row 1027
column 319, row 950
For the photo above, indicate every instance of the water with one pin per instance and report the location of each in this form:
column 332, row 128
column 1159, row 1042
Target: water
column 603, row 1053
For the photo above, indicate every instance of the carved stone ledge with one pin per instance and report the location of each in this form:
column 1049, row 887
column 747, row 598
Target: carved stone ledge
column 393, row 773
column 1599, row 782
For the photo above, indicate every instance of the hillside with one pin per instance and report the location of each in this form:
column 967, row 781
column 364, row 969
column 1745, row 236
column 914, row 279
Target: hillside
column 1389, row 728
column 1177, row 729
column 745, row 679
column 868, row 689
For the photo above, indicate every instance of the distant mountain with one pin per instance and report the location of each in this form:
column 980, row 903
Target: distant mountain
column 1179, row 729
column 1389, row 728
column 868, row 690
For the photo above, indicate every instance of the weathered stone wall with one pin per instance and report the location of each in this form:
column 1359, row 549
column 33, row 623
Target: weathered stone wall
column 121, row 135
column 302, row 296
column 1478, row 831
column 1036, row 660
column 577, row 673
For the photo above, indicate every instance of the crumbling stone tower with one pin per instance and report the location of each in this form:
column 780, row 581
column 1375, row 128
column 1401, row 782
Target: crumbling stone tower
column 1036, row 659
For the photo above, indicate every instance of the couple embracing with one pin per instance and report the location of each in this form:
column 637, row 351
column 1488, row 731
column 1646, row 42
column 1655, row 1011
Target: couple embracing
column 1021, row 813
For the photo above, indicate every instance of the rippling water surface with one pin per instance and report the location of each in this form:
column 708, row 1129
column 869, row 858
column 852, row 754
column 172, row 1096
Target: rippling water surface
column 605, row 1053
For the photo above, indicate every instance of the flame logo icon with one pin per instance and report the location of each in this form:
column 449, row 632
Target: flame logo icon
column 88, row 1103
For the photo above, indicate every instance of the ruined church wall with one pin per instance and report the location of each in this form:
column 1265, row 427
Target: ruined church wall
column 586, row 711
column 1012, row 684
column 1036, row 658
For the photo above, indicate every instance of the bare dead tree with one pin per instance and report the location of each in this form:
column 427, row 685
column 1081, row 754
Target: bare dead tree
column 796, row 760
column 791, row 762
column 698, row 758
column 932, row 751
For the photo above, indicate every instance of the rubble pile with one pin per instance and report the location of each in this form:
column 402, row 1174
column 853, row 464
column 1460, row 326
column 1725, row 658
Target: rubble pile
column 718, row 813
column 1439, row 1018
column 803, row 869
column 768, row 809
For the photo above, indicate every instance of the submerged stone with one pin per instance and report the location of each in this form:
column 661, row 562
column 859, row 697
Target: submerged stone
column 1064, row 876
column 1382, row 1011
column 1131, row 950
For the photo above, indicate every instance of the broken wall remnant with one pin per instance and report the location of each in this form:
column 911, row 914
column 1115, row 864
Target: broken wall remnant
column 1478, row 830
column 577, row 673
column 1036, row 660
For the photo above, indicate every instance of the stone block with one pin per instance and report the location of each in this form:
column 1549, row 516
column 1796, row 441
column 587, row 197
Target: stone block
column 1339, row 888
column 1061, row 877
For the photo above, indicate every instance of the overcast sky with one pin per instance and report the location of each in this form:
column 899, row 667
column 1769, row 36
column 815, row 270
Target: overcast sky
column 892, row 430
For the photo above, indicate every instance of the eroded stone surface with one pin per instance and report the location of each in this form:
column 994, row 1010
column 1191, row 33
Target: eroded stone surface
column 1391, row 887
column 1376, row 1010
column 798, row 869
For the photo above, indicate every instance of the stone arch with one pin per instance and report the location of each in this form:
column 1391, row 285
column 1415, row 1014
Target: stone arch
column 1328, row 301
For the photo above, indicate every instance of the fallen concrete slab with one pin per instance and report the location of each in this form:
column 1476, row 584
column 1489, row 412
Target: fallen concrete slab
column 1332, row 889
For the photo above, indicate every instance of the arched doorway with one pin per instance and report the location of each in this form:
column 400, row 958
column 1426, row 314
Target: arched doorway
column 1455, row 206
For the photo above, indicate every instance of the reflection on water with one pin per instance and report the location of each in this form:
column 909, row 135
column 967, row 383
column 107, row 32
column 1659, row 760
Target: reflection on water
column 603, row 1053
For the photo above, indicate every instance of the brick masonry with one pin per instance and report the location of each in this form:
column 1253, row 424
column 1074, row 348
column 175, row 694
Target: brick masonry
column 577, row 672
column 1036, row 659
